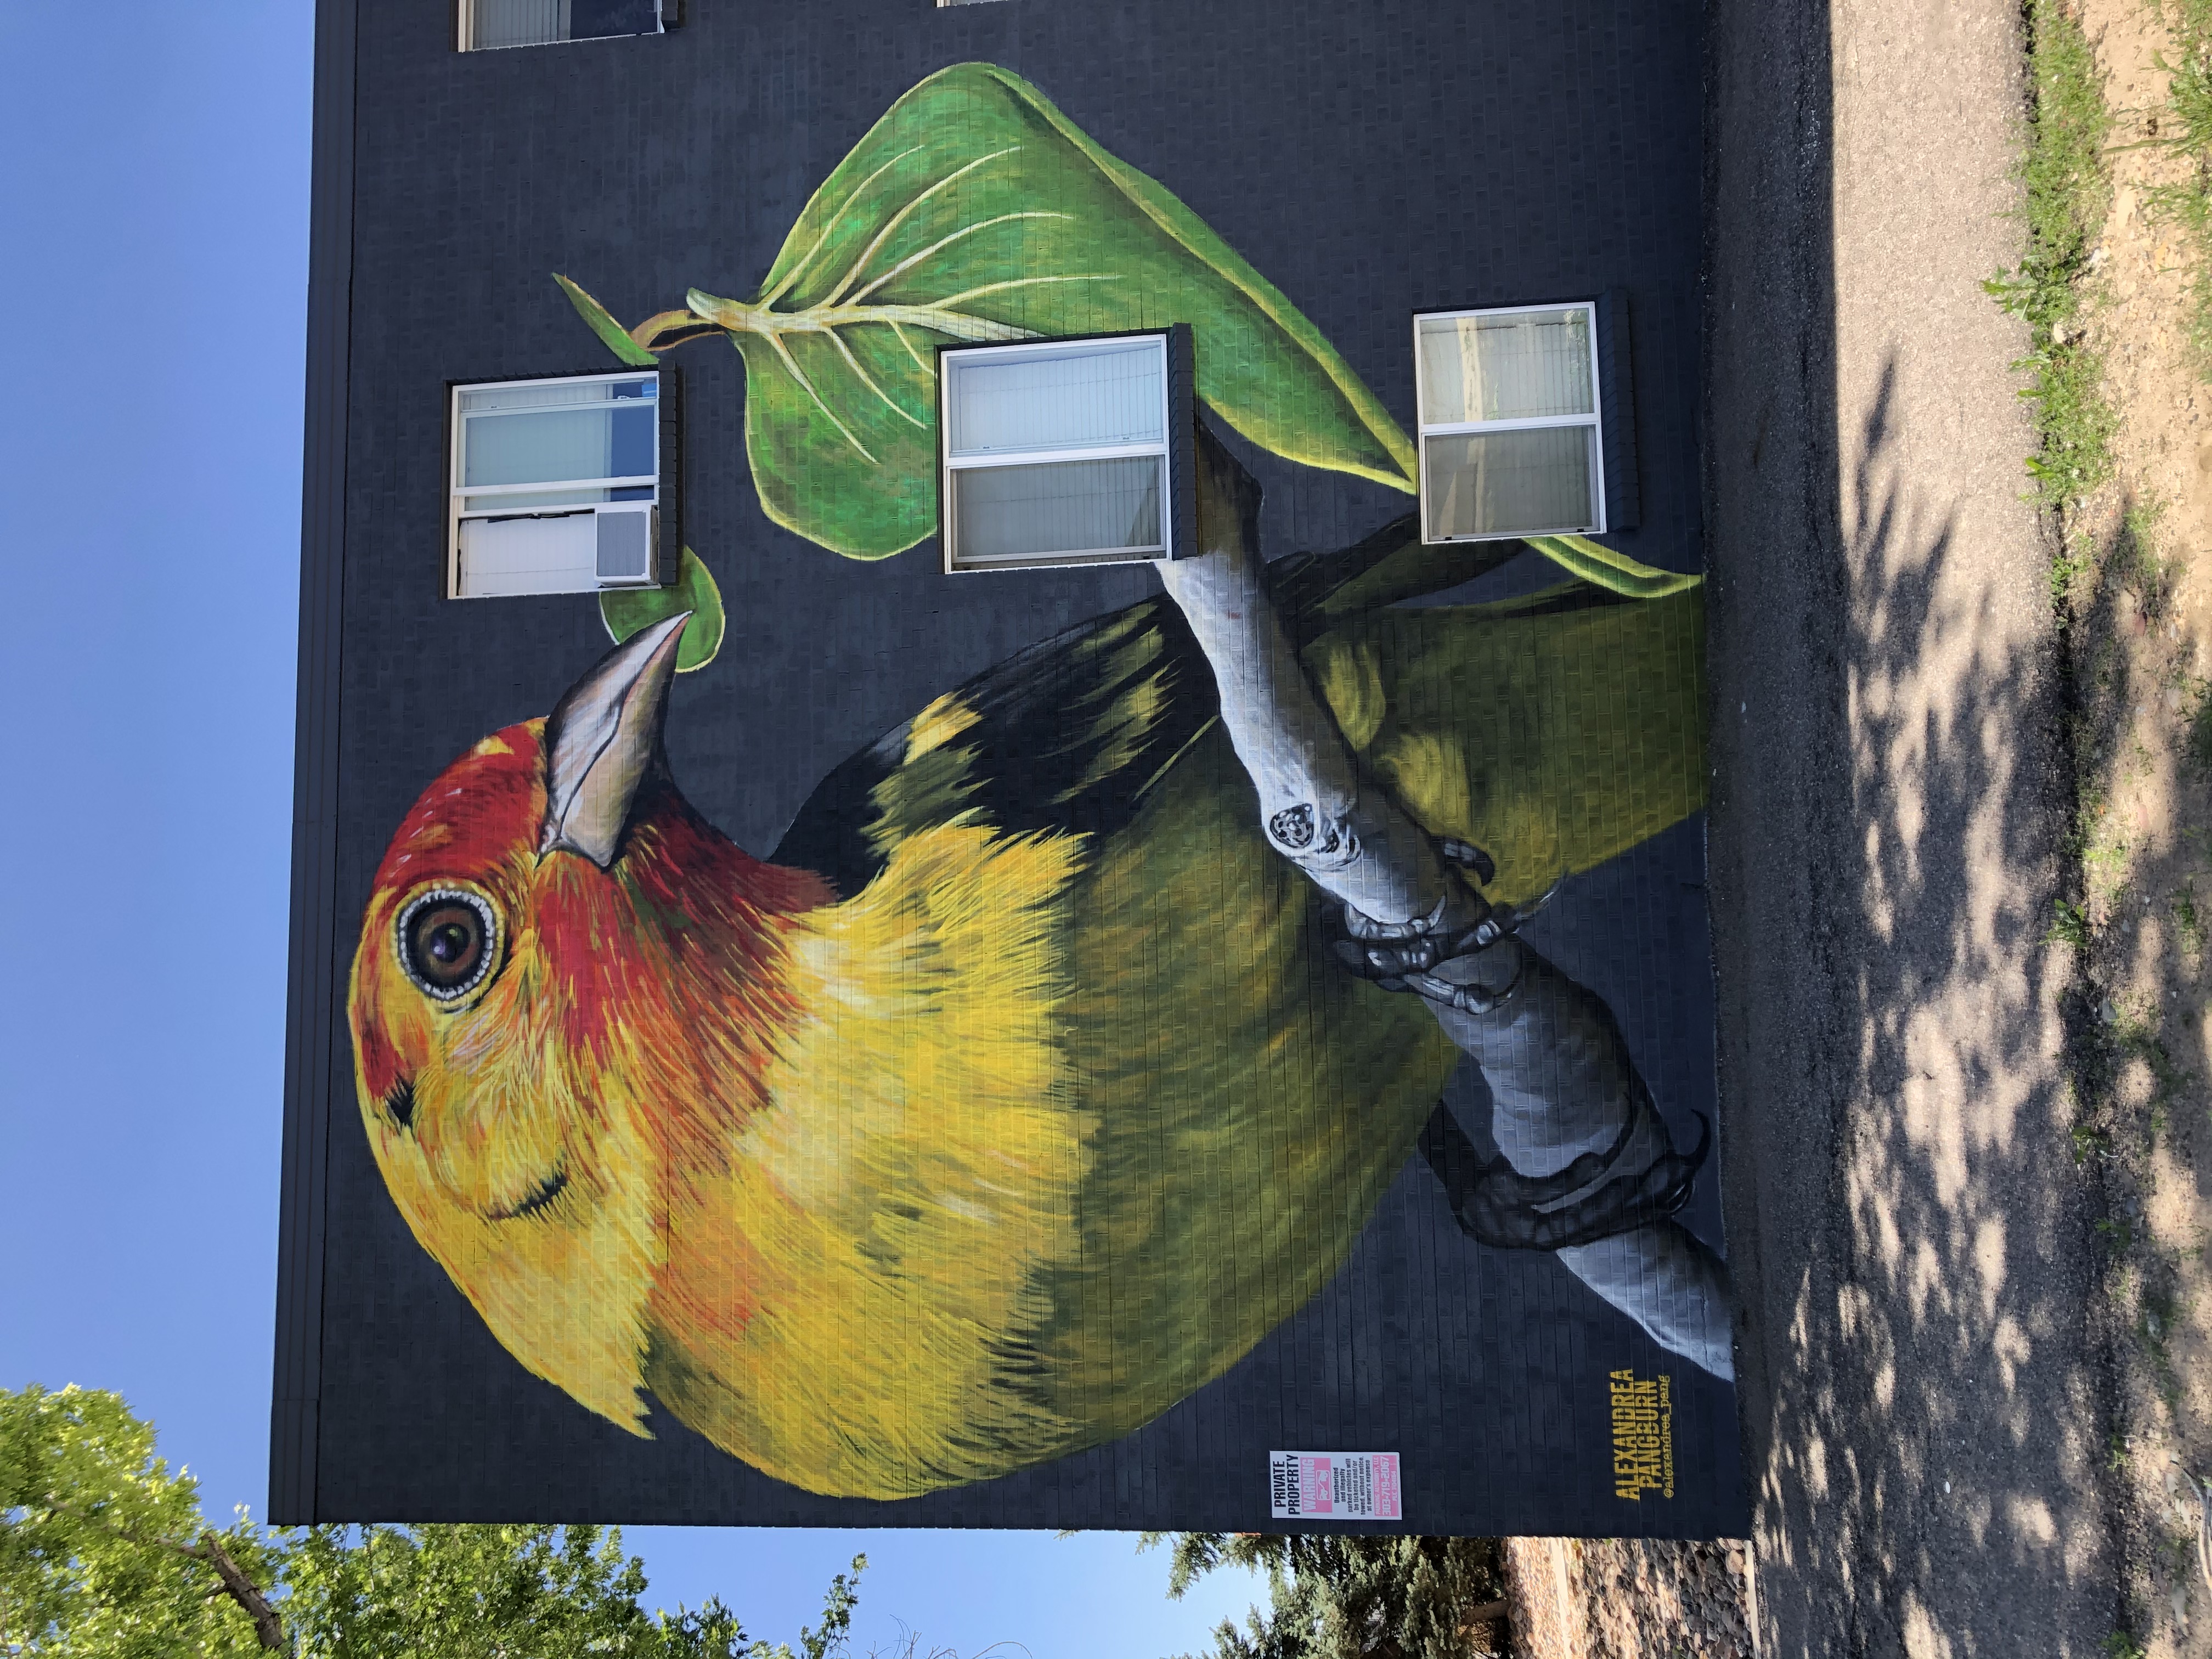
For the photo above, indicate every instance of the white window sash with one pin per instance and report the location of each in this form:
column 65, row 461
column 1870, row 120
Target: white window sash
column 1426, row 428
column 1048, row 457
column 558, row 408
column 633, row 481
column 975, row 564
column 1523, row 423
column 1125, row 552
column 646, row 374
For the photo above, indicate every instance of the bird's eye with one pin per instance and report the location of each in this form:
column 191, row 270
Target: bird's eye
column 447, row 940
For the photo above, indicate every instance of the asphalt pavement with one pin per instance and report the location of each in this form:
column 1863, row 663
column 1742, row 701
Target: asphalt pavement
column 1922, row 1389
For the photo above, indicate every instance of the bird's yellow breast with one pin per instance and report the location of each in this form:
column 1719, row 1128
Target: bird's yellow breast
column 897, row 1212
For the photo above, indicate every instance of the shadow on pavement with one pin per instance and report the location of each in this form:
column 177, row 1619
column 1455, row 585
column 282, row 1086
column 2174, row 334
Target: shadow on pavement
column 1921, row 1384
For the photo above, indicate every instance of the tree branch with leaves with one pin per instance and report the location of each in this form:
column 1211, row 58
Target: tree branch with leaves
column 103, row 1551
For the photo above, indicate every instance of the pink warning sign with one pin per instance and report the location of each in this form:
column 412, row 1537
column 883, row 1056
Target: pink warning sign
column 1333, row 1485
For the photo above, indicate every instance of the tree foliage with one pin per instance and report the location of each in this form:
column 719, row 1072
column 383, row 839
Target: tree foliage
column 1334, row 1596
column 470, row 1592
column 104, row 1552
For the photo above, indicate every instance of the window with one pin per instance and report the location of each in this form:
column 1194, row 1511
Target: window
column 1509, row 424
column 565, row 485
column 1067, row 451
column 487, row 25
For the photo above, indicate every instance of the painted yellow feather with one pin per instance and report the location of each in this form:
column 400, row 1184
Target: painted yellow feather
column 910, row 1185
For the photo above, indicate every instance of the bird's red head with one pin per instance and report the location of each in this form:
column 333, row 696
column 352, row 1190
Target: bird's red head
column 565, row 984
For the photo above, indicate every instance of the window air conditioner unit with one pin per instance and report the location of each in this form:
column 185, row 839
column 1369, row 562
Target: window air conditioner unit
column 627, row 546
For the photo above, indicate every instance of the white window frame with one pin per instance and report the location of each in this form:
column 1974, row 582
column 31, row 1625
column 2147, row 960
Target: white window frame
column 667, row 15
column 948, row 464
column 1594, row 419
column 458, row 490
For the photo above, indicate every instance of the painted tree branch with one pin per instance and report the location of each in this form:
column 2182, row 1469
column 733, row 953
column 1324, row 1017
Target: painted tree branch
column 1562, row 1081
column 1317, row 807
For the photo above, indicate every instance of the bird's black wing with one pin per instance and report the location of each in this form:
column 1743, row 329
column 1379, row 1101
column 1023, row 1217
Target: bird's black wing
column 1064, row 735
column 1070, row 733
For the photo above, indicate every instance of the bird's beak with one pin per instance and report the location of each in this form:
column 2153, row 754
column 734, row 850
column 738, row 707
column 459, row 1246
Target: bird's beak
column 601, row 740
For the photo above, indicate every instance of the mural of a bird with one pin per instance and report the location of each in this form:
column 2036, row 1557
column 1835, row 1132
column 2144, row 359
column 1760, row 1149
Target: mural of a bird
column 1016, row 1095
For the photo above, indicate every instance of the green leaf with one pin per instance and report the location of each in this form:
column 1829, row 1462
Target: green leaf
column 1602, row 566
column 616, row 335
column 103, row 1550
column 974, row 211
column 626, row 610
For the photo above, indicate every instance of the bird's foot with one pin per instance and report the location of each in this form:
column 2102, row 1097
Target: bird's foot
column 1435, row 961
column 1591, row 1198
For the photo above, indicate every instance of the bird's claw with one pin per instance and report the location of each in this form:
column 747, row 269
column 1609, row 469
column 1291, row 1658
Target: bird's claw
column 1404, row 956
column 1468, row 856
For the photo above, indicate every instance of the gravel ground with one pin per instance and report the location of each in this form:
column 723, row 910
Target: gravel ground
column 1614, row 1598
column 2142, row 671
column 1925, row 1397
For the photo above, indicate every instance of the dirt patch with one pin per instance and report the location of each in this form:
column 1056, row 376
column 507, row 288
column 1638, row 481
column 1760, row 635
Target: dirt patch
column 2138, row 559
column 1621, row 1598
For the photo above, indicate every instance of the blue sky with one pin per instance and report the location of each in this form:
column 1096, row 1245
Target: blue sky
column 154, row 208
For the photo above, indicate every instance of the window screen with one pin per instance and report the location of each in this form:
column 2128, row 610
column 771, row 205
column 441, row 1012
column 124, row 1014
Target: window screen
column 555, row 485
column 1060, row 452
column 487, row 25
column 1509, row 423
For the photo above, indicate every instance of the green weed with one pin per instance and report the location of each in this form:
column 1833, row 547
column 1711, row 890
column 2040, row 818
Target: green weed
column 2187, row 922
column 2189, row 100
column 2197, row 741
column 2184, row 126
column 2135, row 1032
column 2075, row 560
column 2136, row 562
column 2161, row 1310
column 2090, row 800
column 2181, row 1554
column 2071, row 926
column 2158, row 1315
column 2067, row 190
column 2105, row 663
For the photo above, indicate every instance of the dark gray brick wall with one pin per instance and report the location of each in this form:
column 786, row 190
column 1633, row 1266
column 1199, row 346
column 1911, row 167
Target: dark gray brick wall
column 1372, row 158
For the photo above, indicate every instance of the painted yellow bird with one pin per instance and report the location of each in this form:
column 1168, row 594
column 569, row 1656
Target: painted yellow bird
column 1016, row 1096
